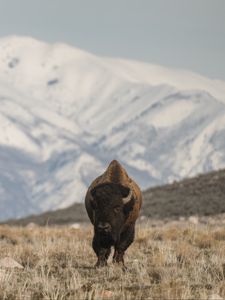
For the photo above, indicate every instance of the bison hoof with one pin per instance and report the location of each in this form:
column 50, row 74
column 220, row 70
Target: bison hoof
column 118, row 258
column 120, row 263
column 101, row 263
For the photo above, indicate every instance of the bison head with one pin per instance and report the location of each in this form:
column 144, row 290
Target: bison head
column 111, row 204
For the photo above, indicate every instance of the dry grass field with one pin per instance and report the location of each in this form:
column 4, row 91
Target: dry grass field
column 172, row 261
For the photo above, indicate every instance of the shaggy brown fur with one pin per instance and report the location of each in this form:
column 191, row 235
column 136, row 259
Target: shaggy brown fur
column 104, row 196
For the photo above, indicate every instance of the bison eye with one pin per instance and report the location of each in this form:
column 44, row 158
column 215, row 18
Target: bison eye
column 116, row 209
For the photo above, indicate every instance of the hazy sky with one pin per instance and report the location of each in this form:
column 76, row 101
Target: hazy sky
column 179, row 33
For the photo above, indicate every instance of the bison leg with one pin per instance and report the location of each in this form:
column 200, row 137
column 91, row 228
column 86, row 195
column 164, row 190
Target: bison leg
column 102, row 253
column 126, row 239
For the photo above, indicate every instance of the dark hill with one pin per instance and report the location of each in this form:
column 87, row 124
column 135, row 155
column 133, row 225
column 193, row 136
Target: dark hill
column 69, row 215
column 203, row 195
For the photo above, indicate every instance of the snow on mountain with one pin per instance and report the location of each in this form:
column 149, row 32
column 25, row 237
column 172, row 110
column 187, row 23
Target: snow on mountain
column 65, row 114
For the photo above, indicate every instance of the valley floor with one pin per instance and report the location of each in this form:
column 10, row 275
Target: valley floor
column 165, row 262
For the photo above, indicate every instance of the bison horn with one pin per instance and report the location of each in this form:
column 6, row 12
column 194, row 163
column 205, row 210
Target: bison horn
column 128, row 197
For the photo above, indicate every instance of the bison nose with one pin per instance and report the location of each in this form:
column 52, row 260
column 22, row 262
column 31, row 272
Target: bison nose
column 104, row 227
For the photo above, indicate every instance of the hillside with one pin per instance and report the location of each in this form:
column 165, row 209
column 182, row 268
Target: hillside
column 203, row 195
column 65, row 114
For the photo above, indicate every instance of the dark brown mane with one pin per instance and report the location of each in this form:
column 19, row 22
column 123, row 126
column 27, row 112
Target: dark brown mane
column 107, row 192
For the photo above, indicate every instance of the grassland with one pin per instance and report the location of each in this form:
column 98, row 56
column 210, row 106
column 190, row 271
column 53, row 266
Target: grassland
column 172, row 261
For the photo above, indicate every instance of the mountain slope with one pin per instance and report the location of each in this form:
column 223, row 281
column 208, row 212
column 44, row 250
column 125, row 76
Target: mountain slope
column 66, row 113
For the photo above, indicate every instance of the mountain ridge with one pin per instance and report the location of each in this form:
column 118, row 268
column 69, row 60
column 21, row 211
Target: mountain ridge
column 65, row 114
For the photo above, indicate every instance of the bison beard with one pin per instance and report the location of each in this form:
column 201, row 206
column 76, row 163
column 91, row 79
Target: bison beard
column 113, row 202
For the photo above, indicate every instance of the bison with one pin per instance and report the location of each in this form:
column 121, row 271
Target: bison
column 113, row 202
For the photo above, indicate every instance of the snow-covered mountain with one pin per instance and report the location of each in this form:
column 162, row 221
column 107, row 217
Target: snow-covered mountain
column 65, row 114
